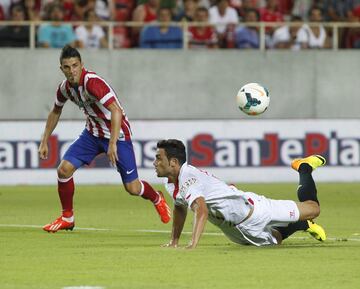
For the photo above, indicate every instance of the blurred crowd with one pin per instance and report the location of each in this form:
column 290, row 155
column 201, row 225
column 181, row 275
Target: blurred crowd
column 211, row 24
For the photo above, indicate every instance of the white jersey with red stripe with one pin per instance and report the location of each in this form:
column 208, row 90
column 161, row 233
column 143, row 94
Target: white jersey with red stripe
column 244, row 217
column 226, row 204
column 93, row 96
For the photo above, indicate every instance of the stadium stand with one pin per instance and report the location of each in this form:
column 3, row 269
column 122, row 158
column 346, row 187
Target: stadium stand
column 122, row 20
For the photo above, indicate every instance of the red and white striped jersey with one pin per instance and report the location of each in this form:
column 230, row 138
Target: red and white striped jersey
column 93, row 96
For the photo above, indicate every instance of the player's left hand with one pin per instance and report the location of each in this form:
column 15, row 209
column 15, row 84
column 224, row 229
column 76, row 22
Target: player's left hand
column 43, row 151
column 112, row 154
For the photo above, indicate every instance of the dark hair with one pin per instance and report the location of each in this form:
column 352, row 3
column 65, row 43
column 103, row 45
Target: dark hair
column 68, row 52
column 173, row 149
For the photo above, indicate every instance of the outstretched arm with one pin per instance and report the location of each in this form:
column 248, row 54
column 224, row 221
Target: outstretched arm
column 179, row 216
column 116, row 116
column 51, row 123
column 200, row 217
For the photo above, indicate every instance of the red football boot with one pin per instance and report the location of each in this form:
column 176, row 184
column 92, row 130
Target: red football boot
column 163, row 209
column 59, row 224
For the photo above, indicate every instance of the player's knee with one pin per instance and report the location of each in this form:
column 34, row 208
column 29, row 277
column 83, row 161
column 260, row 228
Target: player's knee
column 133, row 189
column 308, row 210
column 316, row 210
column 277, row 235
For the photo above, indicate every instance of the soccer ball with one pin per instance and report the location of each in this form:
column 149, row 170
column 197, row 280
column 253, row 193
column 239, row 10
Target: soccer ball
column 253, row 98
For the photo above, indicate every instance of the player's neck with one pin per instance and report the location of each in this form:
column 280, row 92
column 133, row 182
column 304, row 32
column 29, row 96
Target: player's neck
column 173, row 178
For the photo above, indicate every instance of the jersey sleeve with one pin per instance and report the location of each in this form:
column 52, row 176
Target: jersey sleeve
column 99, row 89
column 195, row 191
column 191, row 190
column 61, row 96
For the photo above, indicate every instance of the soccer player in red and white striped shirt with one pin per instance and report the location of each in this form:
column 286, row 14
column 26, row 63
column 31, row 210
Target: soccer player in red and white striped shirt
column 107, row 130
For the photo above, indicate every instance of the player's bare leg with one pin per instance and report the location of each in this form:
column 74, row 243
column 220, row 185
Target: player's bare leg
column 277, row 235
column 66, row 193
column 309, row 210
column 146, row 191
column 134, row 187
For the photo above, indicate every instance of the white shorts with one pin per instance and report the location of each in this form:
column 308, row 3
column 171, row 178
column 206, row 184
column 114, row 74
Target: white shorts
column 268, row 213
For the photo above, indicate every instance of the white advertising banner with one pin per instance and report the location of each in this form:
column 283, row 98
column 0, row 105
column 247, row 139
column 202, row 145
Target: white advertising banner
column 236, row 151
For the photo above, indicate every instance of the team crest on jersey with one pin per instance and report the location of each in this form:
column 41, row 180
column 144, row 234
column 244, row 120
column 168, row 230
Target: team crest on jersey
column 89, row 99
column 79, row 98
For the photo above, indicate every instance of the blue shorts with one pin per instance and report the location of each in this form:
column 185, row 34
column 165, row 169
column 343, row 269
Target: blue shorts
column 87, row 147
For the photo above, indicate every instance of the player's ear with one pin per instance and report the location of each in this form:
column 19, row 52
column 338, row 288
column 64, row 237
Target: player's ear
column 174, row 162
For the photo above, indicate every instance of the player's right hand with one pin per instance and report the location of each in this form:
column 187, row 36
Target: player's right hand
column 43, row 151
column 112, row 154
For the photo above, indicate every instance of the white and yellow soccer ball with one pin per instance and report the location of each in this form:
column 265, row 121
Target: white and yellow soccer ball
column 253, row 99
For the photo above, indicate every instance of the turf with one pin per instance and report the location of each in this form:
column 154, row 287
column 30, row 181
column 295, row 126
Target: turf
column 126, row 256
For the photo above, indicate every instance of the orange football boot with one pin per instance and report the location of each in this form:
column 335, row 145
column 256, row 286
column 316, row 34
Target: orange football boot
column 59, row 224
column 314, row 161
column 163, row 209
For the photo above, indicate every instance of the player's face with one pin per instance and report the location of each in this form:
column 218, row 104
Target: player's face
column 72, row 68
column 162, row 164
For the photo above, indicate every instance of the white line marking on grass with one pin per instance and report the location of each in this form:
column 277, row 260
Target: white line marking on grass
column 83, row 287
column 221, row 234
column 37, row 226
column 168, row 232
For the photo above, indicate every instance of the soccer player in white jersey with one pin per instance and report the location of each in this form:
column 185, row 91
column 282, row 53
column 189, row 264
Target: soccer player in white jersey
column 107, row 130
column 244, row 217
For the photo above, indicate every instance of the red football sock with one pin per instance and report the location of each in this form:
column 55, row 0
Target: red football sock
column 66, row 193
column 148, row 193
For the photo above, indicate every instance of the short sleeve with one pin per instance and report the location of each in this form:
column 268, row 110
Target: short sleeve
column 60, row 98
column 99, row 89
column 194, row 191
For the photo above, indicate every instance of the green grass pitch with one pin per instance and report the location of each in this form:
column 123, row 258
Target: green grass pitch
column 116, row 244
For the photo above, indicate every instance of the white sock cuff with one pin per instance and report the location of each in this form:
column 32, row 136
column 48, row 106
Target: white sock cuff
column 142, row 189
column 159, row 199
column 69, row 220
column 61, row 180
